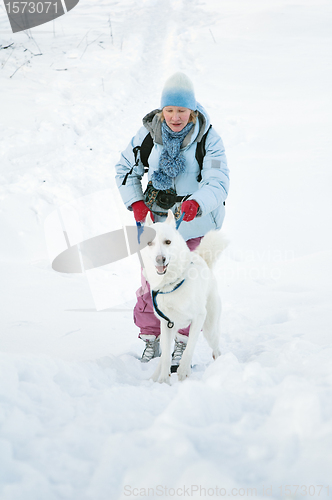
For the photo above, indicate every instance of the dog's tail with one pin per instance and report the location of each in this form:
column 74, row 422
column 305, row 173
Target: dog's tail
column 211, row 247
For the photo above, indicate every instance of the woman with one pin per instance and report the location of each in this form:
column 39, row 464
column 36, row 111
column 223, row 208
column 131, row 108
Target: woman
column 175, row 181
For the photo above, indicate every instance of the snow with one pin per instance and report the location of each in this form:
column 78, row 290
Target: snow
column 79, row 416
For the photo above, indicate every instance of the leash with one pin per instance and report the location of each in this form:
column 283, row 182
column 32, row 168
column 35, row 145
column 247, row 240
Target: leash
column 155, row 293
column 178, row 222
column 140, row 230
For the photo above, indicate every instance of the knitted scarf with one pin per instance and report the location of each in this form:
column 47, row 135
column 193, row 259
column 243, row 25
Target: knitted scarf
column 171, row 161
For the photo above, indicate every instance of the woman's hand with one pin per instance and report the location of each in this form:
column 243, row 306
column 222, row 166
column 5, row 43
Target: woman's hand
column 190, row 208
column 140, row 211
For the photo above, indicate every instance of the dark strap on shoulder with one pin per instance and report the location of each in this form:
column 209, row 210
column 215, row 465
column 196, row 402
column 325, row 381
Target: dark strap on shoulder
column 201, row 152
column 145, row 150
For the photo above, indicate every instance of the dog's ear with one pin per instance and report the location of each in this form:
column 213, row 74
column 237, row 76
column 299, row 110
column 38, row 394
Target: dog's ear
column 170, row 218
column 148, row 220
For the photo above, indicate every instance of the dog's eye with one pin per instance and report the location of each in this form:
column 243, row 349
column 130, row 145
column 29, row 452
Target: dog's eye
column 150, row 243
column 168, row 242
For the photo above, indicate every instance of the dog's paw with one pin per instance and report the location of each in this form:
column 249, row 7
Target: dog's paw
column 165, row 380
column 183, row 372
column 216, row 353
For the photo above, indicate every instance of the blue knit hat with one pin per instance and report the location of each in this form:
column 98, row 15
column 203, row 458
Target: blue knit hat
column 178, row 91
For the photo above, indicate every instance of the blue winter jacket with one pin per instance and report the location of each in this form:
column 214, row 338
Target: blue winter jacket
column 210, row 193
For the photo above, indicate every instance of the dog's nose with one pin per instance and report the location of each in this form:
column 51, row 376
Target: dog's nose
column 160, row 259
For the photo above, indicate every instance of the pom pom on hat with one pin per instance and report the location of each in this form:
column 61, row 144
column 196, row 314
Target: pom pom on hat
column 179, row 91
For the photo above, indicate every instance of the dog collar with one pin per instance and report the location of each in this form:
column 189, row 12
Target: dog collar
column 154, row 294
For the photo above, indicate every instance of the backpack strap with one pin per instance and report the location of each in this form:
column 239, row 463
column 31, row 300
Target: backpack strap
column 145, row 150
column 201, row 152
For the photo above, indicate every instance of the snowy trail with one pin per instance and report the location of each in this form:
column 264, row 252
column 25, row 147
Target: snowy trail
column 79, row 417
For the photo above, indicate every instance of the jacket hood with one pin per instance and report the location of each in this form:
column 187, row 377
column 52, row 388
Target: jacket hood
column 152, row 123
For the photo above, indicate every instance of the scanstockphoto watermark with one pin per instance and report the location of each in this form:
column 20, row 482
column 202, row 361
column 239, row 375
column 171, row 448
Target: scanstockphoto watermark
column 26, row 14
column 191, row 491
column 263, row 266
column 199, row 491
column 91, row 235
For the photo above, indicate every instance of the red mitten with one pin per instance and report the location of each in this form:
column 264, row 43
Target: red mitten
column 140, row 211
column 190, row 208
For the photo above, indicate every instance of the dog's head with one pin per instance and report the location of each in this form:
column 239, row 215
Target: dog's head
column 159, row 249
column 166, row 255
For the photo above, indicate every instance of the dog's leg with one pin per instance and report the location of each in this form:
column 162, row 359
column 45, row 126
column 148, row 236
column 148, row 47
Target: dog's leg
column 163, row 371
column 211, row 327
column 156, row 373
column 184, row 369
column 212, row 334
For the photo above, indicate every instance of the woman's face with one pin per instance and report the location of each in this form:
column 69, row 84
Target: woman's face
column 176, row 118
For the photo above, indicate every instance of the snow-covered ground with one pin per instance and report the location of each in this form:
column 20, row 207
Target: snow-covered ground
column 79, row 417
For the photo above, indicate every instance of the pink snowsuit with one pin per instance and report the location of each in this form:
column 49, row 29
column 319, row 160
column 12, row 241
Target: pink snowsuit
column 144, row 316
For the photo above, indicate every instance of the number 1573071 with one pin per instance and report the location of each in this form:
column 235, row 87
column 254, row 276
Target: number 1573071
column 304, row 490
column 31, row 7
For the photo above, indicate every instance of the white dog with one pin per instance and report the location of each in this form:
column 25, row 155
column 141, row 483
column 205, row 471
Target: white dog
column 184, row 291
